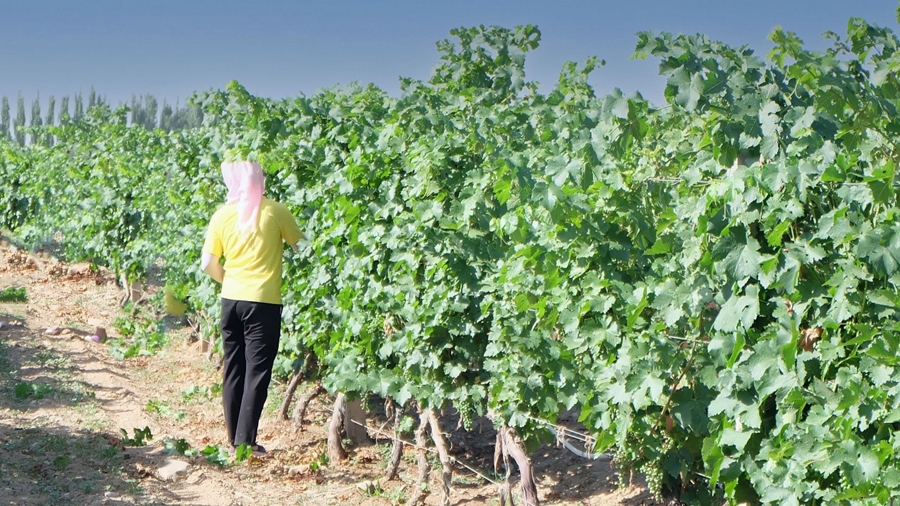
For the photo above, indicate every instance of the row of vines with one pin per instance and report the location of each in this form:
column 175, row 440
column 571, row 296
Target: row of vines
column 713, row 284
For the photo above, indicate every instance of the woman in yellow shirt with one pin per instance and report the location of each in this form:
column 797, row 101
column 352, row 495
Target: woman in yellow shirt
column 248, row 232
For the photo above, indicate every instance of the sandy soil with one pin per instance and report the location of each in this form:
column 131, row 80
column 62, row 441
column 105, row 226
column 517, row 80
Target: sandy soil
column 65, row 401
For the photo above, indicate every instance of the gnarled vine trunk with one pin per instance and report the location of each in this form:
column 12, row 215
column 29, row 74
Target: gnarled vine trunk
column 511, row 446
column 437, row 435
column 303, row 403
column 289, row 395
column 336, row 451
column 419, row 490
column 309, row 364
column 501, row 455
column 394, row 412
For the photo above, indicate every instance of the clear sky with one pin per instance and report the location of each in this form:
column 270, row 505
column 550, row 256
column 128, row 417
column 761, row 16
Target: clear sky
column 283, row 48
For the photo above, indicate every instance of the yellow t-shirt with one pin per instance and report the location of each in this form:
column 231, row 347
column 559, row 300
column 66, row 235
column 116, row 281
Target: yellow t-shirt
column 252, row 263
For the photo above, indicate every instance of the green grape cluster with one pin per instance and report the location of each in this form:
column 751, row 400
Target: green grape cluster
column 667, row 444
column 654, row 476
column 466, row 412
column 844, row 481
column 625, row 457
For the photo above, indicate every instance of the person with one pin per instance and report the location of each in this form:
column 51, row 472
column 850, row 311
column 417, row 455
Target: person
column 248, row 232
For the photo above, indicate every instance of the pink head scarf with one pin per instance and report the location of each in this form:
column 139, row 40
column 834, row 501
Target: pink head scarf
column 245, row 182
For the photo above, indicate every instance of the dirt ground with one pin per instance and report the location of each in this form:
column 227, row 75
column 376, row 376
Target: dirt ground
column 65, row 402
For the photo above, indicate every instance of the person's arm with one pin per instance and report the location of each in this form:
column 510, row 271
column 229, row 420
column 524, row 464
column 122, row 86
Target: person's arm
column 290, row 232
column 210, row 265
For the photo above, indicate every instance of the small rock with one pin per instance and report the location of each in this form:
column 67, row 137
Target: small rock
column 369, row 487
column 52, row 331
column 101, row 333
column 4, row 325
column 110, row 498
column 297, row 470
column 93, row 338
column 173, row 470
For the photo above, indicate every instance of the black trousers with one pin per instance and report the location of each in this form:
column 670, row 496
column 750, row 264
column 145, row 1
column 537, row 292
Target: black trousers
column 250, row 334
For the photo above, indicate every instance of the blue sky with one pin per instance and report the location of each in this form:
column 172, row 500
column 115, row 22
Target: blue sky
column 170, row 48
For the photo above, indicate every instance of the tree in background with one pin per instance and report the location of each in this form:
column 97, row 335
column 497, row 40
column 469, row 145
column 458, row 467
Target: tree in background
column 4, row 118
column 35, row 117
column 50, row 118
column 180, row 118
column 136, row 111
column 193, row 116
column 20, row 120
column 64, row 110
column 151, row 109
column 144, row 111
column 165, row 117
column 79, row 107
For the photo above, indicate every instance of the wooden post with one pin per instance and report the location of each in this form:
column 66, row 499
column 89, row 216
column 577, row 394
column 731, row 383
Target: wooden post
column 355, row 423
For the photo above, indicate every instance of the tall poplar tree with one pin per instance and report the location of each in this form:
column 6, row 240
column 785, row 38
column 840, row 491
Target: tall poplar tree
column 194, row 116
column 144, row 111
column 64, row 110
column 165, row 117
column 92, row 98
column 189, row 116
column 135, row 111
column 20, row 121
column 50, row 119
column 151, row 109
column 79, row 107
column 4, row 118
column 36, row 121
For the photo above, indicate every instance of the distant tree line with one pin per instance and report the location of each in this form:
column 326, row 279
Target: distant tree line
column 144, row 112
